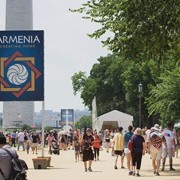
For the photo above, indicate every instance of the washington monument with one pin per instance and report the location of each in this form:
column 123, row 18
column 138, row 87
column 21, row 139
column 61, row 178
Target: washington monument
column 19, row 16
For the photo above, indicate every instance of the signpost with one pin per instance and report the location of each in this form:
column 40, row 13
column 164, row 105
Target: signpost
column 67, row 119
column 21, row 65
column 22, row 68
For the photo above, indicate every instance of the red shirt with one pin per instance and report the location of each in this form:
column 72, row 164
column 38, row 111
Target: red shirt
column 97, row 141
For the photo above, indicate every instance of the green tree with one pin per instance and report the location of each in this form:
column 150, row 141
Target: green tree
column 26, row 127
column 114, row 82
column 141, row 30
column 144, row 38
column 48, row 128
column 165, row 97
column 78, row 81
column 84, row 122
column 104, row 82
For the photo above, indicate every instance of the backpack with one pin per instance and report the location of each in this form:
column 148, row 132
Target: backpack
column 18, row 168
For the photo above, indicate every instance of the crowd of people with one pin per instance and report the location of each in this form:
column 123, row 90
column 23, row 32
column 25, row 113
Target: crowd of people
column 87, row 145
column 159, row 143
column 133, row 144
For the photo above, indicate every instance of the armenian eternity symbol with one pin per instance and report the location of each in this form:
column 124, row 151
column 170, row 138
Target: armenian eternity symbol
column 18, row 74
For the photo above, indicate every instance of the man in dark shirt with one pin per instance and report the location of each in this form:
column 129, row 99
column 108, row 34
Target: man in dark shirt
column 35, row 139
column 13, row 138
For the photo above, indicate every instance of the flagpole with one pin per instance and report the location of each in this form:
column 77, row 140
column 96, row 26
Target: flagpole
column 43, row 125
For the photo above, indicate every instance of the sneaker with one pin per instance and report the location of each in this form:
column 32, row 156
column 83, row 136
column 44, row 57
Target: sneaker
column 122, row 167
column 172, row 169
column 115, row 167
column 130, row 173
column 89, row 169
column 137, row 174
column 157, row 174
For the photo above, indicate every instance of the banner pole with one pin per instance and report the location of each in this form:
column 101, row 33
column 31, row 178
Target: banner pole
column 43, row 125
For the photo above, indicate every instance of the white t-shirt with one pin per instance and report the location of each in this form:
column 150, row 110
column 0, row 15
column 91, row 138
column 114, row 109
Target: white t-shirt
column 147, row 135
column 169, row 136
column 21, row 136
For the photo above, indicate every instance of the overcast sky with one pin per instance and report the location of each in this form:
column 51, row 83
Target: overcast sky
column 68, row 49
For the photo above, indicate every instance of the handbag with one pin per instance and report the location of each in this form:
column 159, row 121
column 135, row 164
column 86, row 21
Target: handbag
column 130, row 144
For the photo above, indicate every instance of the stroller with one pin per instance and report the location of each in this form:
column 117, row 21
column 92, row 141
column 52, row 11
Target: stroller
column 55, row 148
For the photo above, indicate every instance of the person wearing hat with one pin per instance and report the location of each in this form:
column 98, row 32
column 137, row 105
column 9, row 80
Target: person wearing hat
column 87, row 151
column 156, row 140
column 157, row 126
column 5, row 159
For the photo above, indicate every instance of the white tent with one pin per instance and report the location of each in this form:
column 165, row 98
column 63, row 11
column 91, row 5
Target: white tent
column 113, row 120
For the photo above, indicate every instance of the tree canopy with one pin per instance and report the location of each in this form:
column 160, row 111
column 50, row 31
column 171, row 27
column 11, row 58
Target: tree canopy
column 114, row 82
column 84, row 122
column 165, row 97
column 138, row 29
column 143, row 37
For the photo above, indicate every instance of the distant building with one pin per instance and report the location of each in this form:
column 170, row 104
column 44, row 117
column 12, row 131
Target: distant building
column 65, row 119
column 19, row 16
column 15, row 116
column 51, row 119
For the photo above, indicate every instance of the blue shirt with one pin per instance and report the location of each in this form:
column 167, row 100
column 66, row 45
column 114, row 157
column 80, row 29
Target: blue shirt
column 127, row 136
column 13, row 135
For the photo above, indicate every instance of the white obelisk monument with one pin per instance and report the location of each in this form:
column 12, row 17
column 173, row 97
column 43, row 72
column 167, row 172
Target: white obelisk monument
column 19, row 16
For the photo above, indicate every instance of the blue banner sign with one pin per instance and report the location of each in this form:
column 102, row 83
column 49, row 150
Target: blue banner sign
column 21, row 65
column 67, row 117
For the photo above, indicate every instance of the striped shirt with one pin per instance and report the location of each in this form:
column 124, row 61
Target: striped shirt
column 156, row 140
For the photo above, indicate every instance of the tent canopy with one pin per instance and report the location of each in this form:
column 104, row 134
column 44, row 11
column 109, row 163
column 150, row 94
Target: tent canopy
column 113, row 120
